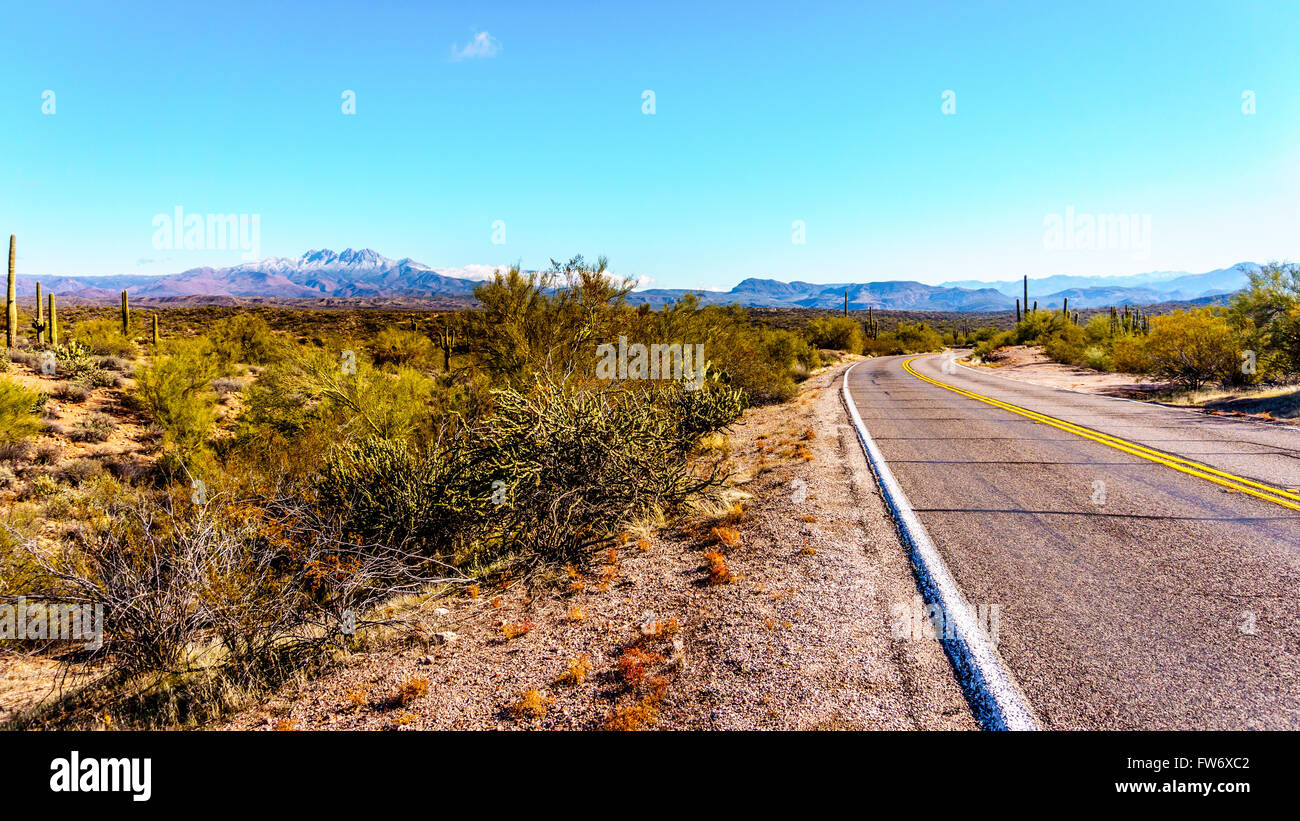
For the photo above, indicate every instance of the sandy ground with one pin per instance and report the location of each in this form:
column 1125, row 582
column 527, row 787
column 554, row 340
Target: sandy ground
column 799, row 639
column 1029, row 364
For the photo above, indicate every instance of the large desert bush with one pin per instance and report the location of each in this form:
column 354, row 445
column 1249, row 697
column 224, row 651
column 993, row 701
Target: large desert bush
column 1193, row 348
column 402, row 347
column 103, row 337
column 176, row 391
column 837, row 332
column 550, row 475
column 18, row 417
column 244, row 338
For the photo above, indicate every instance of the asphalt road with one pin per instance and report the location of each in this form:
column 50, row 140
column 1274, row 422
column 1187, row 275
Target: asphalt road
column 1131, row 595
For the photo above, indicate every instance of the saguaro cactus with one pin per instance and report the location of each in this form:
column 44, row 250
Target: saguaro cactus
column 447, row 341
column 11, row 303
column 1026, row 302
column 126, row 316
column 1065, row 308
column 52, row 329
column 38, row 324
column 846, row 303
column 155, row 330
column 1017, row 310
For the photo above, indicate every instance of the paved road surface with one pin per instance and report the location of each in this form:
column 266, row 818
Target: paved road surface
column 1163, row 602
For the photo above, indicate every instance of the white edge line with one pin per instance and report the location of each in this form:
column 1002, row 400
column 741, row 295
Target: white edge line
column 988, row 683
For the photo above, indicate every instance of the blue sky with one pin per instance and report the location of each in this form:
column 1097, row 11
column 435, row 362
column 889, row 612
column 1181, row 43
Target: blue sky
column 765, row 114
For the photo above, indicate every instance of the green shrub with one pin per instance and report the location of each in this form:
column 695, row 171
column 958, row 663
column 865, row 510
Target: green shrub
column 396, row 346
column 915, row 338
column 19, row 418
column 836, row 333
column 1129, row 354
column 95, row 427
column 553, row 473
column 1095, row 357
column 1194, row 347
column 1065, row 344
column 175, row 390
column 73, row 360
column 103, row 337
column 243, row 338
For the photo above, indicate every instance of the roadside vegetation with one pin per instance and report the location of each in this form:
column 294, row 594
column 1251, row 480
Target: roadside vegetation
column 1252, row 342
column 255, row 492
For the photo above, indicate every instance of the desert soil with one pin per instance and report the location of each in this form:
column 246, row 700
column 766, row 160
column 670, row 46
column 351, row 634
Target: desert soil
column 799, row 639
column 1028, row 363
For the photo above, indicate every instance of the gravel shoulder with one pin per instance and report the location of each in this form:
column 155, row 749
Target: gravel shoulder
column 798, row 639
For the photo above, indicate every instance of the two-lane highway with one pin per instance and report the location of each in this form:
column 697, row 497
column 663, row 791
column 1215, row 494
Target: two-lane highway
column 1140, row 583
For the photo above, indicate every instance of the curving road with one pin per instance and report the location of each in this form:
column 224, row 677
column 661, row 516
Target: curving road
column 1132, row 595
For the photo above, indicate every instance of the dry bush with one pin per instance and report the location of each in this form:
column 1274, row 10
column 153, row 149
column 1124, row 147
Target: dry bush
column 412, row 689
column 515, row 629
column 629, row 717
column 532, row 704
column 660, row 629
column 725, row 536
column 576, row 671
column 719, row 573
column 239, row 582
column 94, row 427
column 634, row 664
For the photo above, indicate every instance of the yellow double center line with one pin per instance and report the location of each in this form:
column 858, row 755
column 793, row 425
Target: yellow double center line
column 1238, row 484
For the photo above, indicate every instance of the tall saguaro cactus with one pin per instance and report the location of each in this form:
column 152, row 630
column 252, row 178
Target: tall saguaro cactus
column 155, row 330
column 52, row 328
column 447, row 341
column 38, row 324
column 1017, row 310
column 1026, row 302
column 11, row 303
column 126, row 316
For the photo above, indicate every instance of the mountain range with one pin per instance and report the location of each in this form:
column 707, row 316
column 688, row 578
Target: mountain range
column 367, row 275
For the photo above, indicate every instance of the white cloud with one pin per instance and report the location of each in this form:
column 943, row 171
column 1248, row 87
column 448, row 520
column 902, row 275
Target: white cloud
column 643, row 282
column 475, row 272
column 483, row 45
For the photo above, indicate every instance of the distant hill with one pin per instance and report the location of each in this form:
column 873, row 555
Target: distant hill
column 903, row 296
column 359, row 278
column 1137, row 289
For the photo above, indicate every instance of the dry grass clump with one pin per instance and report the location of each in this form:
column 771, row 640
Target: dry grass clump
column 725, row 536
column 629, row 717
column 414, row 688
column 515, row 629
column 719, row 573
column 635, row 664
column 660, row 629
column 576, row 671
column 532, row 704
column 356, row 697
